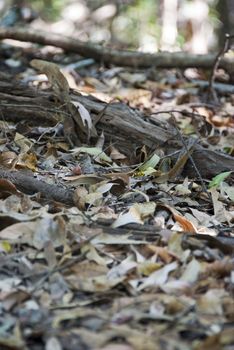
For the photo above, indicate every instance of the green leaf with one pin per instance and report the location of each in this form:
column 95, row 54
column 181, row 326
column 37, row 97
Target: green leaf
column 216, row 181
column 151, row 163
column 5, row 246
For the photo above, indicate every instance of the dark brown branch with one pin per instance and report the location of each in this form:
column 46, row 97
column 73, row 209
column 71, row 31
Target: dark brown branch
column 122, row 58
column 29, row 185
column 223, row 50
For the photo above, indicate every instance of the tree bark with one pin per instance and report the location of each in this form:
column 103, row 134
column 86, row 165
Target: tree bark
column 29, row 185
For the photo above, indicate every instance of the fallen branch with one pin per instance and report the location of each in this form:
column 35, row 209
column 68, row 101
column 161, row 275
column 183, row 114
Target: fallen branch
column 29, row 185
column 125, row 127
column 150, row 234
column 117, row 57
column 211, row 90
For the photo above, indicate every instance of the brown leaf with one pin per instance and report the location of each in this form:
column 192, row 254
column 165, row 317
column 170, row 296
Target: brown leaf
column 55, row 77
column 8, row 187
column 186, row 225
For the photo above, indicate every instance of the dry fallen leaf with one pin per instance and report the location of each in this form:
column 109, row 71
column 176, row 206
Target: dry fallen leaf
column 114, row 267
column 132, row 216
column 55, row 77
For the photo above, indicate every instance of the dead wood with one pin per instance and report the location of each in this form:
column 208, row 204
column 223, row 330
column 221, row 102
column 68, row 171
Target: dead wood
column 29, row 185
column 151, row 234
column 117, row 57
column 126, row 127
column 18, row 103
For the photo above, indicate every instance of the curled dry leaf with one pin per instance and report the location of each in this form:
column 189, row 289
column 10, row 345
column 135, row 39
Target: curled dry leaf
column 55, row 76
column 7, row 158
column 23, row 142
column 132, row 216
column 8, row 187
column 186, row 225
column 191, row 273
column 122, row 269
column 84, row 113
column 159, row 277
column 79, row 197
column 162, row 252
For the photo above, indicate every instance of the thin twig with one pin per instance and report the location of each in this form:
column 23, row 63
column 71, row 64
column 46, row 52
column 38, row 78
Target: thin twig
column 61, row 268
column 190, row 157
column 211, row 89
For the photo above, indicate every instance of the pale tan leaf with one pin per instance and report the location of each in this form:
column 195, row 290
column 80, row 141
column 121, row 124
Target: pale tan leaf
column 84, row 114
column 145, row 209
column 92, row 254
column 132, row 216
column 49, row 229
column 219, row 209
column 55, row 77
column 122, row 269
column 23, row 142
column 191, row 272
column 53, row 344
column 158, row 277
column 211, row 302
column 24, row 230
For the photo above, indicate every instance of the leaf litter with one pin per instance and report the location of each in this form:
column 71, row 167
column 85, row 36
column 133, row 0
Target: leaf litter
column 143, row 259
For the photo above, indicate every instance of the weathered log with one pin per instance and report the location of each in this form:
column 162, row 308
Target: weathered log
column 30, row 185
column 122, row 125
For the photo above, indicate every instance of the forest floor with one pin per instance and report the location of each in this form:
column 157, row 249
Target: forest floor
column 114, row 234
